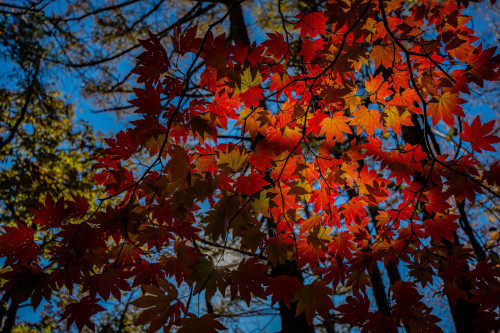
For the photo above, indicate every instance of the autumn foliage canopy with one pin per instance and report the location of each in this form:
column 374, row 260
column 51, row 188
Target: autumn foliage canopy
column 334, row 176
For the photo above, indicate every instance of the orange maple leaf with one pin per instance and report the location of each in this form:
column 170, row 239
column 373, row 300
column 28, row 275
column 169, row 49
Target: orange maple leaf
column 335, row 126
column 394, row 116
column 445, row 106
column 366, row 119
column 383, row 54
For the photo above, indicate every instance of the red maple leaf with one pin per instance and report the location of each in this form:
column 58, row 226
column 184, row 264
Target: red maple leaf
column 251, row 184
column 407, row 297
column 441, row 226
column 17, row 244
column 110, row 281
column 492, row 176
column 153, row 62
column 311, row 24
column 249, row 279
column 276, row 46
column 25, row 282
column 81, row 311
column 50, row 213
column 205, row 324
column 483, row 65
column 283, row 288
column 312, row 298
column 478, row 135
column 353, row 307
column 187, row 41
column 342, row 245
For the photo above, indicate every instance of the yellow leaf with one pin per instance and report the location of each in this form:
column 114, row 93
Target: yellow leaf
column 352, row 100
column 254, row 121
column 394, row 117
column 234, row 158
column 250, row 78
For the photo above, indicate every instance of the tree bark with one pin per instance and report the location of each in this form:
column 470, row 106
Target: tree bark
column 392, row 267
column 289, row 322
column 464, row 313
column 24, row 109
column 11, row 317
column 464, row 222
column 376, row 279
column 238, row 30
column 3, row 308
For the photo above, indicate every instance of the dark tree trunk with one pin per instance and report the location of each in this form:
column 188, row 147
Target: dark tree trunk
column 11, row 317
column 464, row 313
column 464, row 222
column 289, row 322
column 4, row 306
column 392, row 267
column 238, row 30
column 376, row 279
column 379, row 291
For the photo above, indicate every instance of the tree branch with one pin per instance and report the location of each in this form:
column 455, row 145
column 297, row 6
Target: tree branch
column 24, row 110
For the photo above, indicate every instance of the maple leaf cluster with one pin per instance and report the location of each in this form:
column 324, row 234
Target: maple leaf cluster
column 332, row 171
